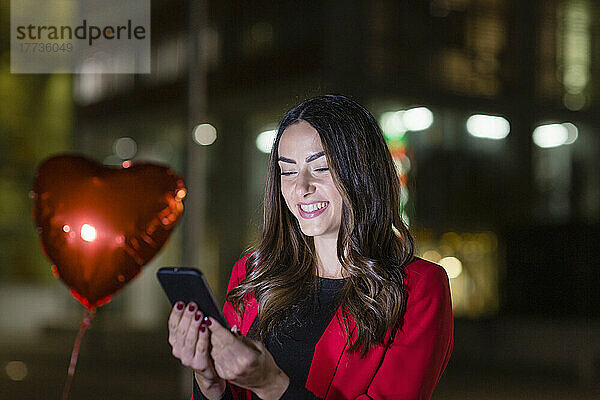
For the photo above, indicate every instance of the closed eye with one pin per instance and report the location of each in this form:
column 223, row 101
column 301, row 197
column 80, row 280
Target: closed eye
column 287, row 173
column 322, row 169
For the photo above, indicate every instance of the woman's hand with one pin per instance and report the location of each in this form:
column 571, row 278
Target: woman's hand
column 190, row 341
column 246, row 363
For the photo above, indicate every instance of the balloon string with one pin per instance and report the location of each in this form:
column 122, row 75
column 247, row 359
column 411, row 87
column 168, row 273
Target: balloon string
column 85, row 324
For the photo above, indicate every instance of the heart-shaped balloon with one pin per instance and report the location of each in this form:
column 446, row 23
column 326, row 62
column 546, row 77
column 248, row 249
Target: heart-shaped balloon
column 100, row 225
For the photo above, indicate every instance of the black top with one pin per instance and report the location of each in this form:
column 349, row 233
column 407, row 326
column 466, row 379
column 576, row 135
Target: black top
column 293, row 344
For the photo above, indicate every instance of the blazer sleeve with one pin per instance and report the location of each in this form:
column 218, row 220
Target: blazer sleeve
column 414, row 362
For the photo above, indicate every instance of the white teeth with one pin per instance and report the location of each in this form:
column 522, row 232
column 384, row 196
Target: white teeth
column 312, row 207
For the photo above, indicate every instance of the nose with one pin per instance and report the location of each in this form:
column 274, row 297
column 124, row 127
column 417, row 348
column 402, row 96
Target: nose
column 304, row 184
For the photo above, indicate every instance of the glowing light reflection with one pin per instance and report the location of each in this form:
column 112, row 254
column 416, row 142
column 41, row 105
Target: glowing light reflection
column 417, row 119
column 550, row 135
column 488, row 126
column 392, row 124
column 452, row 265
column 125, row 148
column 265, row 139
column 88, row 233
column 572, row 132
column 205, row 134
column 16, row 370
column 432, row 255
column 395, row 124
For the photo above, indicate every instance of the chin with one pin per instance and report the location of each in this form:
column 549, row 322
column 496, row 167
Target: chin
column 311, row 230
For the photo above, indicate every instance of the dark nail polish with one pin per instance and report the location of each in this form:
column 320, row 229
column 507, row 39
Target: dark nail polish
column 180, row 305
column 202, row 328
column 198, row 315
column 207, row 321
column 192, row 307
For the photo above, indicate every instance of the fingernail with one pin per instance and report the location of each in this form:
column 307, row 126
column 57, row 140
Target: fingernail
column 206, row 321
column 198, row 315
column 192, row 307
column 202, row 328
column 180, row 305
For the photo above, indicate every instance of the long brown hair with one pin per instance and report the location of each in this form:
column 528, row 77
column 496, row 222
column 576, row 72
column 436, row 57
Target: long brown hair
column 373, row 243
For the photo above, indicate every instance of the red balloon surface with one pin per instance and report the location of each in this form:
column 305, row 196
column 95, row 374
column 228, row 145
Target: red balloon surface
column 100, row 225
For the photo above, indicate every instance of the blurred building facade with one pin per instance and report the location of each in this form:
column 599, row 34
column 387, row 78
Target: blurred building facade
column 531, row 64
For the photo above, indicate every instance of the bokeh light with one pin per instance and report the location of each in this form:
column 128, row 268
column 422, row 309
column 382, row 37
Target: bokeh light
column 432, row 255
column 205, row 134
column 88, row 233
column 452, row 265
column 417, row 119
column 392, row 125
column 574, row 101
column 125, row 148
column 572, row 132
column 550, row 135
column 488, row 126
column 16, row 370
column 395, row 124
column 265, row 139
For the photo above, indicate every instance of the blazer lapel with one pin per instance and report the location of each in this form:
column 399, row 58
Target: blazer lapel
column 328, row 353
column 250, row 313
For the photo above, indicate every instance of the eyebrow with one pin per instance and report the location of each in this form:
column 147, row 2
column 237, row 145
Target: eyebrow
column 310, row 158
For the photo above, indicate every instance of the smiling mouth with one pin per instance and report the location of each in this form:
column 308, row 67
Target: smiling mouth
column 312, row 210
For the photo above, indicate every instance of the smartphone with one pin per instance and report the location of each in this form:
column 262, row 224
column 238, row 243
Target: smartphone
column 189, row 284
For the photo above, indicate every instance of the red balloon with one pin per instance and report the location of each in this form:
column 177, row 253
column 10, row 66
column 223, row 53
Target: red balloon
column 100, row 225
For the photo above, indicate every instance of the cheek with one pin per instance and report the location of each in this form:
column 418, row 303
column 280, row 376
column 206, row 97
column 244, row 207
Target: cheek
column 339, row 204
column 339, row 209
column 334, row 194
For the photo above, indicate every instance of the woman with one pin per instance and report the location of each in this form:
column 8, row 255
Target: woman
column 331, row 304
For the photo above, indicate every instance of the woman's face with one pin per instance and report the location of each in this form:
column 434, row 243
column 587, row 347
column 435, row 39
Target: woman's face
column 306, row 182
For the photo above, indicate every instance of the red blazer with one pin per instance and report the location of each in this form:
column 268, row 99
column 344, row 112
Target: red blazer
column 407, row 369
